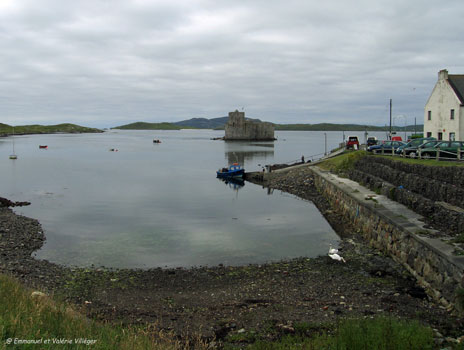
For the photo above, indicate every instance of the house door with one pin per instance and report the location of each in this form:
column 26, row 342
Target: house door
column 440, row 136
column 452, row 136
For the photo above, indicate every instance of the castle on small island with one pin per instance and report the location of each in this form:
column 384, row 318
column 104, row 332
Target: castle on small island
column 237, row 128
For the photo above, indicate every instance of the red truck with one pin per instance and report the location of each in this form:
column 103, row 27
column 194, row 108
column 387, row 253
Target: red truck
column 352, row 142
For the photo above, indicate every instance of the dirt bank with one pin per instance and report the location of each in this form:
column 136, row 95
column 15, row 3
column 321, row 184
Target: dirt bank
column 260, row 300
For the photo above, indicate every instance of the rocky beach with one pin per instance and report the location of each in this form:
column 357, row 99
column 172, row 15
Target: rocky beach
column 218, row 302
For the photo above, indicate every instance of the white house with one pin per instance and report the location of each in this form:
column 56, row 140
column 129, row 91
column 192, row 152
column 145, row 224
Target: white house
column 444, row 110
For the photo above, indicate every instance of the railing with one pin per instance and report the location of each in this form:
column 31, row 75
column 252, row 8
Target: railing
column 442, row 155
column 439, row 154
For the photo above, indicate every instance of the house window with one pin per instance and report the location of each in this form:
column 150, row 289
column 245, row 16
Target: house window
column 452, row 114
column 429, row 117
column 452, row 136
column 429, row 134
column 440, row 136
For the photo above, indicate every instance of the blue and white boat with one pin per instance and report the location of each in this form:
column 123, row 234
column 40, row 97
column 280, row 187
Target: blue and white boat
column 233, row 170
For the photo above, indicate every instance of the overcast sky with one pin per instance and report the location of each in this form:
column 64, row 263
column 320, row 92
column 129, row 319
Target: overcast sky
column 110, row 62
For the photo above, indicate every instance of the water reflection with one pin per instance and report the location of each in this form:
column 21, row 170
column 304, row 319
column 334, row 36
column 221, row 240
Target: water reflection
column 233, row 182
column 247, row 152
column 173, row 212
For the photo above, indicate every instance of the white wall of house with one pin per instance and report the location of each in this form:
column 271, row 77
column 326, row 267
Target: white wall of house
column 440, row 103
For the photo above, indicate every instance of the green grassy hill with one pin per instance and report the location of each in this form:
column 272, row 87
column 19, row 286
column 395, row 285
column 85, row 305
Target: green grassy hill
column 149, row 126
column 45, row 129
column 342, row 127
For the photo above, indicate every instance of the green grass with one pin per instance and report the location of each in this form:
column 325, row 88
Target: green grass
column 342, row 162
column 43, row 320
column 459, row 238
column 379, row 333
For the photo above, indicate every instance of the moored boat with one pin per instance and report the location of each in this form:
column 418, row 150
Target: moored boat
column 43, row 146
column 234, row 170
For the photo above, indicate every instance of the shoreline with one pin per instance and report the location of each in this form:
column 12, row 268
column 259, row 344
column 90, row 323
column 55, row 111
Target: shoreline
column 218, row 301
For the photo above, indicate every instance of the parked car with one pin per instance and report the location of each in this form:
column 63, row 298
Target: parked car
column 414, row 152
column 386, row 146
column 351, row 142
column 410, row 149
column 371, row 141
column 448, row 149
column 397, row 138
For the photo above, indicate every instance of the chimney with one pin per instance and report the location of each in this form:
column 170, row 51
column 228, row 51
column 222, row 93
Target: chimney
column 443, row 74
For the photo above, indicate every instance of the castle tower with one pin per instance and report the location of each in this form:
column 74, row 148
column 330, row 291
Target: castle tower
column 237, row 128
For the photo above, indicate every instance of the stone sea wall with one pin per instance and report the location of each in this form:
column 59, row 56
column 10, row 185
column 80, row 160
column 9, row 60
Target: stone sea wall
column 437, row 193
column 430, row 260
column 436, row 183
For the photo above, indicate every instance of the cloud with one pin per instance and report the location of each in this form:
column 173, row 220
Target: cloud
column 108, row 62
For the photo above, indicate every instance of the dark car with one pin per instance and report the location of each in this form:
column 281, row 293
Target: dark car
column 385, row 146
column 371, row 141
column 413, row 152
column 410, row 149
column 448, row 149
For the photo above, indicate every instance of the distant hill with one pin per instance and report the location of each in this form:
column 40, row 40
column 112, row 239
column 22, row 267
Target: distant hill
column 148, row 126
column 203, row 123
column 219, row 123
column 46, row 129
column 343, row 127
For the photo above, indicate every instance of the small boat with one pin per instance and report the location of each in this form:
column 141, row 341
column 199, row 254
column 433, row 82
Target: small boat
column 156, row 141
column 113, row 149
column 233, row 170
column 43, row 146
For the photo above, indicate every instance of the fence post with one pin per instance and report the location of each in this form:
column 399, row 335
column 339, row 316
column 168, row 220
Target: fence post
column 383, row 152
column 419, row 154
column 459, row 153
column 438, row 153
column 404, row 153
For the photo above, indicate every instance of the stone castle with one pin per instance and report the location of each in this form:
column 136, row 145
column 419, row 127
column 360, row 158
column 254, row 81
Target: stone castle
column 237, row 128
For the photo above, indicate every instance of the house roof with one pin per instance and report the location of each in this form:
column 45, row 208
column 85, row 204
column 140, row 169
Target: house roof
column 457, row 83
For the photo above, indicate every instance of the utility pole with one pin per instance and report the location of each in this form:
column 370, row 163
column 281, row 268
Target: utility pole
column 390, row 120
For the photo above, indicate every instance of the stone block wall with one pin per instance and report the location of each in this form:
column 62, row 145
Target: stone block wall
column 430, row 260
column 436, row 183
column 436, row 193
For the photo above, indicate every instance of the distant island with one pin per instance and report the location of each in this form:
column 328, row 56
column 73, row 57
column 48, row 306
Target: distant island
column 68, row 128
column 150, row 126
column 345, row 127
column 219, row 124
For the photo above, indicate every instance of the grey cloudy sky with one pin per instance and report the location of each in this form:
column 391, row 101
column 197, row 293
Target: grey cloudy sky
column 110, row 62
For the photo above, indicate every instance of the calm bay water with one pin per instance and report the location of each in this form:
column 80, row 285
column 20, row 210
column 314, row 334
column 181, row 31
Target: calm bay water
column 156, row 205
